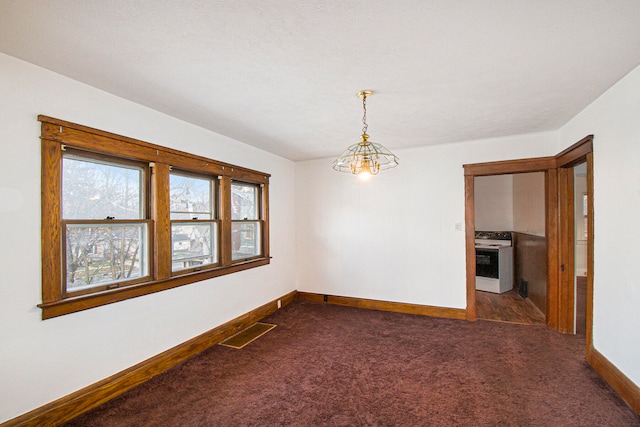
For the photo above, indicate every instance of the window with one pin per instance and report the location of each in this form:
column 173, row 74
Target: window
column 104, row 226
column 245, row 221
column 123, row 218
column 194, row 237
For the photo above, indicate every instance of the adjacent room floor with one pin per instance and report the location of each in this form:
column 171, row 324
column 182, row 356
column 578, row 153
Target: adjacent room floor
column 508, row 307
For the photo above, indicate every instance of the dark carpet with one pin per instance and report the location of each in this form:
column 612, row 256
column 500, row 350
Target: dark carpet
column 327, row 365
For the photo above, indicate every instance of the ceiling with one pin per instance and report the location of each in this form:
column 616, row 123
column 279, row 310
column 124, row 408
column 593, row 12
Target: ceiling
column 282, row 75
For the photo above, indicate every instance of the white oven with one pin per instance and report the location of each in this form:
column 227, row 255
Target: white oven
column 494, row 261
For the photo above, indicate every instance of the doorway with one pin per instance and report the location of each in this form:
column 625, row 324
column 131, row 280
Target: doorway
column 576, row 231
column 581, row 213
column 513, row 204
column 560, row 239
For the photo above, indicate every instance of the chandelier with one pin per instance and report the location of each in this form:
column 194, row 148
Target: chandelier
column 365, row 158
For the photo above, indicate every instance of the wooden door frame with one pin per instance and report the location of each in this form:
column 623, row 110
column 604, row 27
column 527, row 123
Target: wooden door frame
column 560, row 307
column 581, row 152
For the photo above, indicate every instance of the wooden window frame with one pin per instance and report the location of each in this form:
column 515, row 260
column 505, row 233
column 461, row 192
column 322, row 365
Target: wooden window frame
column 57, row 134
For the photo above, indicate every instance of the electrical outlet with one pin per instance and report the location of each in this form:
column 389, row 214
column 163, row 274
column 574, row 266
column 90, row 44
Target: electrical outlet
column 279, row 303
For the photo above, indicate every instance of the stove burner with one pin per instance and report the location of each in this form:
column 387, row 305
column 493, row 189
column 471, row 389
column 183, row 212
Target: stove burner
column 493, row 235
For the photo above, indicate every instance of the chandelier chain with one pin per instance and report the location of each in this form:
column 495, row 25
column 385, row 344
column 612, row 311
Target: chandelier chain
column 364, row 117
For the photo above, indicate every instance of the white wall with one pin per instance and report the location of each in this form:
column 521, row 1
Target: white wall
column 614, row 121
column 529, row 203
column 513, row 202
column 493, row 202
column 393, row 237
column 41, row 361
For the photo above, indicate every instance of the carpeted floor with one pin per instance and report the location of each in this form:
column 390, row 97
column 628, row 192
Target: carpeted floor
column 327, row 365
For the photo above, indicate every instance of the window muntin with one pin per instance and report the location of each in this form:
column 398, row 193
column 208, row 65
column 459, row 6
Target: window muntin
column 105, row 235
column 194, row 230
column 245, row 221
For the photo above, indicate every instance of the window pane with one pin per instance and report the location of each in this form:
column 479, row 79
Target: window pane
column 96, row 190
column 245, row 240
column 190, row 197
column 193, row 245
column 101, row 254
column 244, row 201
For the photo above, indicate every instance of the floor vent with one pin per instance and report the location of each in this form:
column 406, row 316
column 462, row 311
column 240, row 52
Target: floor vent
column 248, row 335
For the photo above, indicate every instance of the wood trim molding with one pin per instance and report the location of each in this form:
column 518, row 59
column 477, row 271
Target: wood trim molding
column 265, row 221
column 75, row 135
column 566, row 270
column 576, row 153
column 470, row 247
column 622, row 385
column 51, row 216
column 503, row 167
column 81, row 401
column 572, row 155
column 74, row 404
column 553, row 243
column 162, row 220
column 590, row 258
column 84, row 302
column 396, row 307
column 225, row 218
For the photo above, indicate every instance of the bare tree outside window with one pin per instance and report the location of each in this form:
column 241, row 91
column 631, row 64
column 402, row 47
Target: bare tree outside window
column 99, row 201
column 93, row 190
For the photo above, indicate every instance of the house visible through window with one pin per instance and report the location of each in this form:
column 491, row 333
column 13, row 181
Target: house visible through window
column 194, row 237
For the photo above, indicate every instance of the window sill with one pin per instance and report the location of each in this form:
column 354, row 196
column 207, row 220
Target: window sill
column 84, row 302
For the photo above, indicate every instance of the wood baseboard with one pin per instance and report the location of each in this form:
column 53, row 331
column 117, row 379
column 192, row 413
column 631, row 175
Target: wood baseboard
column 397, row 307
column 626, row 389
column 74, row 404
